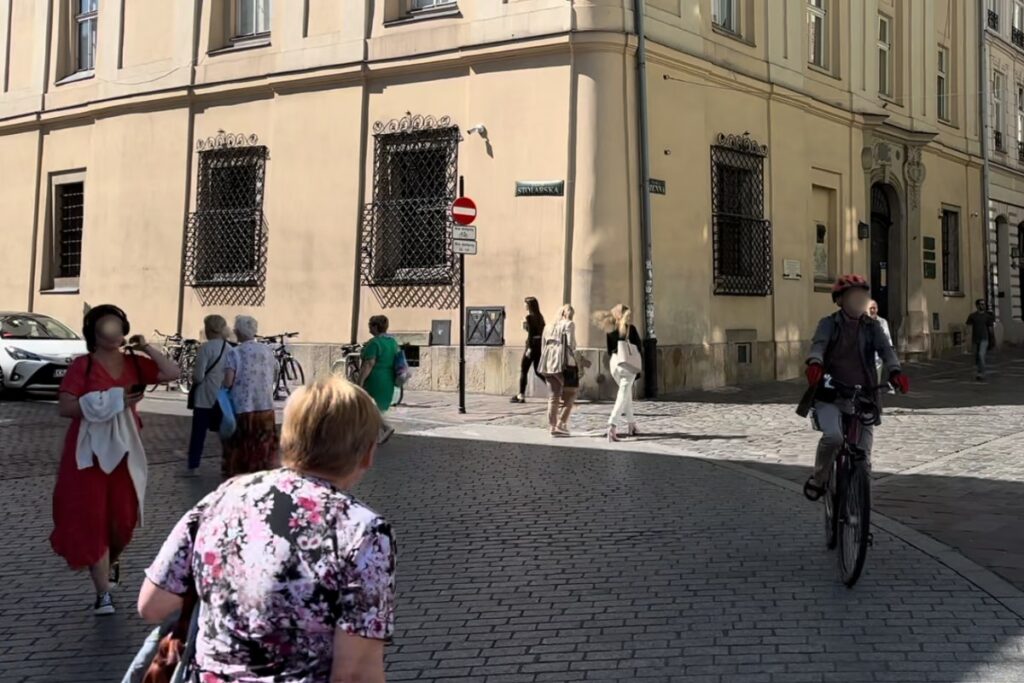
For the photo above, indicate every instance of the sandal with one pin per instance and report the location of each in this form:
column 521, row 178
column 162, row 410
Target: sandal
column 812, row 491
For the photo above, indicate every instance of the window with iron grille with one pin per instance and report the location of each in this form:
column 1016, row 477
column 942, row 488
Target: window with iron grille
column 227, row 232
column 70, row 213
column 407, row 228
column 951, row 251
column 742, row 237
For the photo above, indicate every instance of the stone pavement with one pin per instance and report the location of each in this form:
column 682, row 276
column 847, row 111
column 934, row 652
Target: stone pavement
column 948, row 461
column 523, row 560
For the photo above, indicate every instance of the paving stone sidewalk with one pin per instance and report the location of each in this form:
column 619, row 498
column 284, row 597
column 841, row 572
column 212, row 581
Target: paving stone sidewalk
column 523, row 564
column 948, row 460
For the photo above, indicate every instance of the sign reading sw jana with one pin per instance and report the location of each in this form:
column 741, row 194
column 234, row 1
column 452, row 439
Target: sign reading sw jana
column 540, row 188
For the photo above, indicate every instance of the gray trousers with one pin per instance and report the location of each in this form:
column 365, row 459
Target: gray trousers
column 829, row 418
column 980, row 351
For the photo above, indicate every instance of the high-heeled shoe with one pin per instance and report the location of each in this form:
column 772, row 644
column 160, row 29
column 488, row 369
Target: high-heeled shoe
column 613, row 434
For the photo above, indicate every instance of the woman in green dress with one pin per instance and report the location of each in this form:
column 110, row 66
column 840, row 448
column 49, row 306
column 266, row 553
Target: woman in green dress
column 377, row 370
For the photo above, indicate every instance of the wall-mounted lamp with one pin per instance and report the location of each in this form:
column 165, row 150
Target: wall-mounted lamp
column 863, row 231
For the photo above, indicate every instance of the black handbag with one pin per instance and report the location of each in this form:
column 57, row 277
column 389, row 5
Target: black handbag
column 570, row 372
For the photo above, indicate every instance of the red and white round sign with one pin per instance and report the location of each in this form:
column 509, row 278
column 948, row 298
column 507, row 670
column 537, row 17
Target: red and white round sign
column 464, row 211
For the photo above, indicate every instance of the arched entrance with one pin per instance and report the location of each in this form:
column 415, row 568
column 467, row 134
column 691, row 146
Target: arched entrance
column 882, row 229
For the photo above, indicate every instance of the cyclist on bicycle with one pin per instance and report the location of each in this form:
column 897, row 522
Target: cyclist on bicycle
column 844, row 347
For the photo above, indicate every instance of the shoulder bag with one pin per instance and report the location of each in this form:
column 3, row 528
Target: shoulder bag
column 570, row 369
column 195, row 387
column 628, row 358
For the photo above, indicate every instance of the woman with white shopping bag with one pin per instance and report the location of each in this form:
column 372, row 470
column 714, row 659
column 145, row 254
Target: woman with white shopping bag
column 626, row 364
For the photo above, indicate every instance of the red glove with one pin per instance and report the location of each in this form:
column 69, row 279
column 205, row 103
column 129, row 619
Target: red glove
column 900, row 381
column 814, row 374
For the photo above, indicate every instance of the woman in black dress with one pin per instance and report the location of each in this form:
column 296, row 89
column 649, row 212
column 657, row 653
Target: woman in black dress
column 533, row 325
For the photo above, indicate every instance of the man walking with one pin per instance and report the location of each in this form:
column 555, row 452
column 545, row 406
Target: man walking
column 981, row 323
column 884, row 324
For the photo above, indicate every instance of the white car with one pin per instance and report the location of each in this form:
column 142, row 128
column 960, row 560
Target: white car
column 35, row 352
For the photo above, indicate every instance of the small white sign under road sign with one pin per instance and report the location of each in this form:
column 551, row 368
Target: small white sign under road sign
column 466, row 247
column 464, row 233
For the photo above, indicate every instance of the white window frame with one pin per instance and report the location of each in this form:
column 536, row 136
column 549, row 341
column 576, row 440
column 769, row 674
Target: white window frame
column 1018, row 15
column 89, row 18
column 998, row 109
column 1020, row 115
column 257, row 29
column 942, row 107
column 818, row 50
column 725, row 14
column 422, row 5
column 885, row 62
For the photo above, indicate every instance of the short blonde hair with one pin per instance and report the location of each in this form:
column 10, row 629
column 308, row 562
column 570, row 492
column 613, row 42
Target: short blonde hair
column 567, row 312
column 214, row 326
column 328, row 426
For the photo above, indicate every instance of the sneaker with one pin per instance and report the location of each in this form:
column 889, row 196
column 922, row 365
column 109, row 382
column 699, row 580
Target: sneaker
column 104, row 605
column 386, row 432
column 517, row 399
column 189, row 473
column 114, row 577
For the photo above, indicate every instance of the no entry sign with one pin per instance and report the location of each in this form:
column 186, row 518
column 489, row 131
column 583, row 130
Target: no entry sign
column 464, row 211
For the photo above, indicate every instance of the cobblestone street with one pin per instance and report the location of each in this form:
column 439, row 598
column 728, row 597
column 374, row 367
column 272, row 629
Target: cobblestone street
column 686, row 555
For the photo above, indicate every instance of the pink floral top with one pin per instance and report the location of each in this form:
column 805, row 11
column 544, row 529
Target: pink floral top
column 281, row 560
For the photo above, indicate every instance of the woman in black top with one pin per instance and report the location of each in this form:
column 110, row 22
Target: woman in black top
column 533, row 325
column 618, row 326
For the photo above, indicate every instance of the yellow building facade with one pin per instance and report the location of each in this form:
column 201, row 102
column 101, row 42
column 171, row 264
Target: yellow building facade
column 1004, row 48
column 295, row 160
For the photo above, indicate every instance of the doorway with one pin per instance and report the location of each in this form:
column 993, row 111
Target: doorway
column 881, row 228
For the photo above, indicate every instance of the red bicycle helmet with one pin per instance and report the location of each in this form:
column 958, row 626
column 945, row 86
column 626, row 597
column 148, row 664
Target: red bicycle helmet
column 846, row 282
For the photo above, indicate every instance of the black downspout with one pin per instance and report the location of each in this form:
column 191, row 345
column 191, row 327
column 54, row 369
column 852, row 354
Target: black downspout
column 646, row 236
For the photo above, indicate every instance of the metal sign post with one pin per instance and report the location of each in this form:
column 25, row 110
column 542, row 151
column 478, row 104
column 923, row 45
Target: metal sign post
column 463, row 213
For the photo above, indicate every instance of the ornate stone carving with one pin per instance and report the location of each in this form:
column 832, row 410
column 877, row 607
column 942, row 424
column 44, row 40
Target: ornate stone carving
column 914, row 174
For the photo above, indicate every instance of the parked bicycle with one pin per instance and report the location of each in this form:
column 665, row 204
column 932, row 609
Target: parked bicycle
column 848, row 499
column 349, row 365
column 290, row 374
column 183, row 352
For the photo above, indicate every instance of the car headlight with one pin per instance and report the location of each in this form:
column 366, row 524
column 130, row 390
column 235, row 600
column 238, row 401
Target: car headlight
column 21, row 354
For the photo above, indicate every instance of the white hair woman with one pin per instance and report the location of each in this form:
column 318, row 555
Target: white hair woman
column 618, row 326
column 207, row 379
column 250, row 373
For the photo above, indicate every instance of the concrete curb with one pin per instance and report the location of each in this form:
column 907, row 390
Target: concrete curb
column 998, row 588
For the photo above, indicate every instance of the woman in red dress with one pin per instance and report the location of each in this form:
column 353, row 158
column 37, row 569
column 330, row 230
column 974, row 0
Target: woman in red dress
column 96, row 500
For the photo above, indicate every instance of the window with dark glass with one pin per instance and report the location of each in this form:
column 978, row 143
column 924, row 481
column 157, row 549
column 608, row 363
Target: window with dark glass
column 251, row 18
column 725, row 15
column 741, row 236
column 817, row 33
column 942, row 84
column 951, row 251
column 86, row 19
column 70, row 214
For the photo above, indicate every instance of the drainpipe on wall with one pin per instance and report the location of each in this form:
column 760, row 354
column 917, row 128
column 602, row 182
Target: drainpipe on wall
column 989, row 292
column 646, row 236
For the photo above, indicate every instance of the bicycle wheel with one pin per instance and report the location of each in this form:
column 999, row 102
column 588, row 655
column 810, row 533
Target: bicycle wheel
column 854, row 522
column 352, row 370
column 291, row 376
column 186, row 365
column 831, row 499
